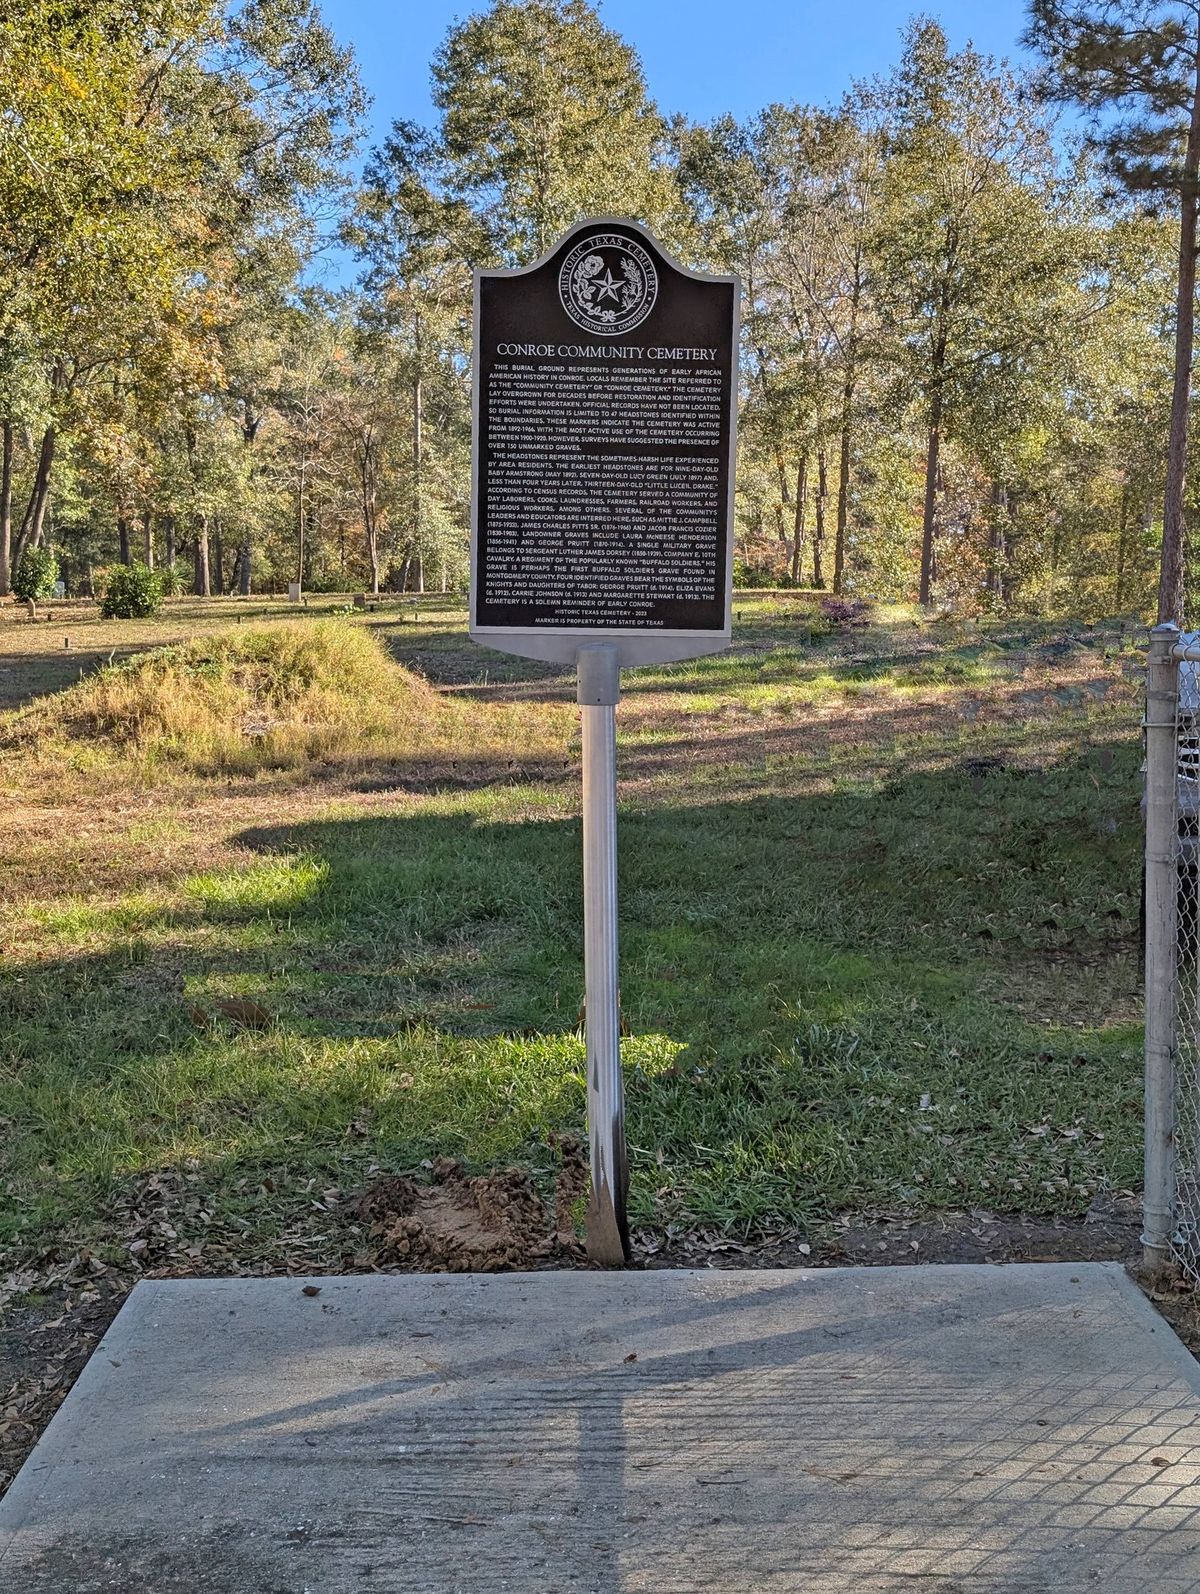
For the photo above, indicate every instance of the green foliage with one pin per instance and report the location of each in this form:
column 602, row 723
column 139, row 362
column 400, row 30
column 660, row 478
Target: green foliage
column 1132, row 66
column 523, row 88
column 166, row 161
column 749, row 576
column 171, row 582
column 131, row 592
column 955, row 359
column 36, row 574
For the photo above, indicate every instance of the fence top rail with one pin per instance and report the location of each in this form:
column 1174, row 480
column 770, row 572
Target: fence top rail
column 1186, row 652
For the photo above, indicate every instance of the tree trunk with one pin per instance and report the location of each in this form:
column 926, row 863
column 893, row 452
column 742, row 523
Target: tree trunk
column 250, row 424
column 928, row 520
column 933, row 454
column 301, row 510
column 780, row 532
column 218, row 561
column 203, row 582
column 784, row 491
column 843, row 497
column 34, row 517
column 418, row 446
column 6, row 510
column 1170, row 582
column 148, row 539
column 123, row 540
column 801, row 513
column 419, row 572
column 169, row 541
column 997, row 542
column 370, row 524
column 819, row 528
column 1122, row 549
column 373, row 557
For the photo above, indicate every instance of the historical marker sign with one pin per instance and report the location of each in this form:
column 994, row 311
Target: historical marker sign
column 602, row 501
column 601, row 514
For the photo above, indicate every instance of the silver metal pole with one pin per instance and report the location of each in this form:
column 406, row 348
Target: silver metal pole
column 599, row 689
column 1162, row 907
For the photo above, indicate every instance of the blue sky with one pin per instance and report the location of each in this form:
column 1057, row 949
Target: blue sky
column 702, row 57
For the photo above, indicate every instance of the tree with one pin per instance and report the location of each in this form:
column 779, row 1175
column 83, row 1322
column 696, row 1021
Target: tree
column 816, row 273
column 769, row 202
column 146, row 151
column 738, row 192
column 90, row 185
column 1134, row 65
column 956, row 366
column 967, row 257
column 546, row 118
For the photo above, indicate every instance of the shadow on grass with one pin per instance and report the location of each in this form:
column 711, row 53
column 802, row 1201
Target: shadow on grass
column 894, row 995
column 774, row 648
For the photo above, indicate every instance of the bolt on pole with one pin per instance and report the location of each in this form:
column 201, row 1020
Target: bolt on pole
column 607, row 1230
column 1162, row 909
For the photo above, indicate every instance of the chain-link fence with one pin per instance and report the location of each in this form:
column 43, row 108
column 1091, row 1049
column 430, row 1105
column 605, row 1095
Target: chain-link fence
column 1172, row 913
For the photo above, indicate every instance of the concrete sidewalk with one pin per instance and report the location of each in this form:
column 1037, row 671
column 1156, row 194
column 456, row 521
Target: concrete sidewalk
column 943, row 1429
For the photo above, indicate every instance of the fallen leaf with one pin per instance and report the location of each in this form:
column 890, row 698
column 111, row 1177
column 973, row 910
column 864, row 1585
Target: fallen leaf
column 241, row 1010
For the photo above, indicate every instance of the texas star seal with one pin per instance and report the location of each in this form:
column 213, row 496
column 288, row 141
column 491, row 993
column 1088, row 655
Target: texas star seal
column 608, row 284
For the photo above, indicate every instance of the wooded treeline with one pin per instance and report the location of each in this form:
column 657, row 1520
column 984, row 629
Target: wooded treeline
column 959, row 348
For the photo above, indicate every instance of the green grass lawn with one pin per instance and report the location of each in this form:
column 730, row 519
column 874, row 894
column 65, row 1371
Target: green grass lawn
column 879, row 905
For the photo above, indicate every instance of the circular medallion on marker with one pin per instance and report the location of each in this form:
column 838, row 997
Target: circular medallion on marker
column 608, row 283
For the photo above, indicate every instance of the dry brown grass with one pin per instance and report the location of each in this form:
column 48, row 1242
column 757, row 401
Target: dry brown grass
column 69, row 639
column 284, row 696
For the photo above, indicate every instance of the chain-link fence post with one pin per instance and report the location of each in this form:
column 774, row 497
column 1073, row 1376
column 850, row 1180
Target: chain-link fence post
column 1162, row 907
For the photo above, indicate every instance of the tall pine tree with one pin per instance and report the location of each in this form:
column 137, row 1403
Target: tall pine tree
column 1134, row 66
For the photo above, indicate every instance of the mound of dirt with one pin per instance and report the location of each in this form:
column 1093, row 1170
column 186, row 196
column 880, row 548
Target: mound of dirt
column 274, row 695
column 571, row 1188
column 458, row 1224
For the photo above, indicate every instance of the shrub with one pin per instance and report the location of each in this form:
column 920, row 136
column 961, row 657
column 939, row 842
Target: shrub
column 36, row 574
column 170, row 579
column 750, row 576
column 132, row 592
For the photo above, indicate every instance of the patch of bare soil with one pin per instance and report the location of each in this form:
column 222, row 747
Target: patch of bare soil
column 1109, row 1233
column 457, row 1224
column 1180, row 1305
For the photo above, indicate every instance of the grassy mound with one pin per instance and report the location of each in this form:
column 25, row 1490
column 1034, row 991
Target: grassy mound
column 271, row 697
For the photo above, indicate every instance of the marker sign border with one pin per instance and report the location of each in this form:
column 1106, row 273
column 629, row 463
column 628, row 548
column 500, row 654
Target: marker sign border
column 562, row 644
